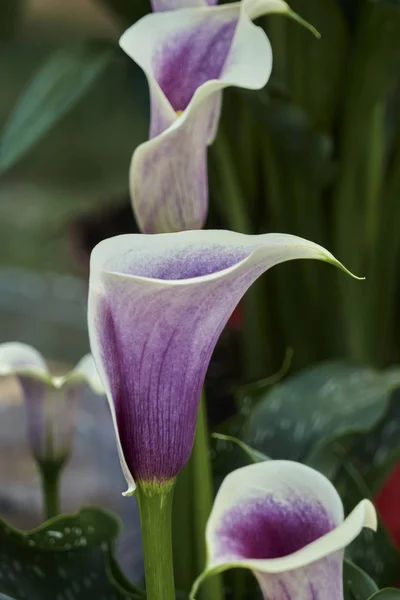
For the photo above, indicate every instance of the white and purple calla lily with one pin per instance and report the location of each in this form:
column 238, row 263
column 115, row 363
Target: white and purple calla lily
column 157, row 305
column 50, row 401
column 284, row 521
column 189, row 56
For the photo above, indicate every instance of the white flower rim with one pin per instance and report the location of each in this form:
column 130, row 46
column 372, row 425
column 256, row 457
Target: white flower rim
column 83, row 372
column 265, row 241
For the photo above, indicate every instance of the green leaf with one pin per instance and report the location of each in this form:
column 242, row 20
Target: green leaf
column 386, row 594
column 69, row 556
column 318, row 404
column 310, row 88
column 357, row 584
column 54, row 90
column 377, row 453
column 254, row 455
column 372, row 551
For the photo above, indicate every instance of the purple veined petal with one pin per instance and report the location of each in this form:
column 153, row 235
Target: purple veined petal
column 284, row 521
column 157, row 305
column 189, row 56
column 162, row 5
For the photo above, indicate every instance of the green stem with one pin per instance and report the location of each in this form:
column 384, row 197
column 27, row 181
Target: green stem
column 185, row 567
column 203, row 498
column 50, row 473
column 155, row 507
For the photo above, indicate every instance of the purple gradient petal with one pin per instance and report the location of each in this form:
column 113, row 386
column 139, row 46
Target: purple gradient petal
column 271, row 528
column 50, row 416
column 322, row 580
column 168, row 176
column 185, row 62
column 162, row 5
column 157, row 305
column 34, row 392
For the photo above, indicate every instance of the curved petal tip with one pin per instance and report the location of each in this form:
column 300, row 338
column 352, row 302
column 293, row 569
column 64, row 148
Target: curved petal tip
column 305, row 23
column 130, row 491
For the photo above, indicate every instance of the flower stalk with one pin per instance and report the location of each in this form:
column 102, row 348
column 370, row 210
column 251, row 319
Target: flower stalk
column 155, row 507
column 50, row 477
column 203, row 498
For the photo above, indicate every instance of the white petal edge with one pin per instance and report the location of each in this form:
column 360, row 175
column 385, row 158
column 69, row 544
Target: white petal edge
column 363, row 515
column 271, row 245
column 84, row 372
column 21, row 359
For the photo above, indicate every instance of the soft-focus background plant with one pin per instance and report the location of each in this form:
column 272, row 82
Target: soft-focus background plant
column 317, row 154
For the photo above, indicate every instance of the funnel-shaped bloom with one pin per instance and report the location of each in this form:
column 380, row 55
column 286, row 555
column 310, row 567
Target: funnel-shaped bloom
column 284, row 521
column 189, row 55
column 157, row 305
column 50, row 401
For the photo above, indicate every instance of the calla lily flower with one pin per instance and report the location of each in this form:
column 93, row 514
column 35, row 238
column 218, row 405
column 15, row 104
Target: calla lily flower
column 284, row 521
column 189, row 56
column 50, row 401
column 157, row 305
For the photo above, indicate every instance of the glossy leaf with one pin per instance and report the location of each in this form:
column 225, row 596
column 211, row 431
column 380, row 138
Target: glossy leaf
column 54, row 90
column 386, row 594
column 69, row 556
column 252, row 455
column 357, row 584
column 318, row 404
column 377, row 453
column 375, row 553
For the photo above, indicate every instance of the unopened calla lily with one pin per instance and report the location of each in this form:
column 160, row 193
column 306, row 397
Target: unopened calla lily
column 50, row 401
column 284, row 521
column 189, row 56
column 157, row 305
